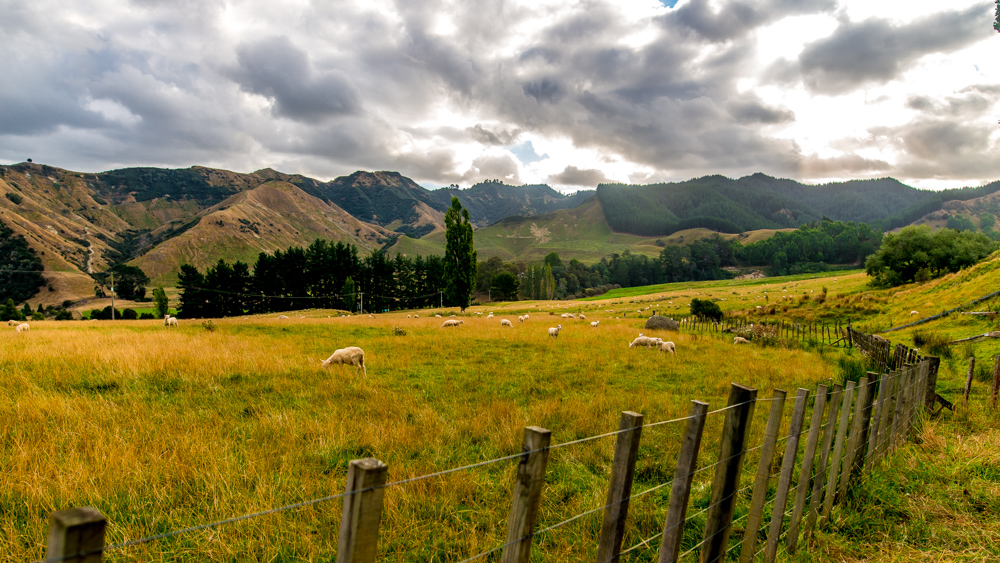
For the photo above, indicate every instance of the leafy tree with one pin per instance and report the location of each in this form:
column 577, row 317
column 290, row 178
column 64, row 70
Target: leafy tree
column 20, row 268
column 918, row 253
column 26, row 311
column 160, row 302
column 459, row 255
column 505, row 286
column 64, row 315
column 706, row 308
column 130, row 281
column 130, row 314
column 9, row 311
column 350, row 297
column 193, row 297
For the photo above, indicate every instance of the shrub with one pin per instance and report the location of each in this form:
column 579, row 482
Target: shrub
column 706, row 308
column 130, row 315
column 38, row 316
column 64, row 316
column 14, row 198
column 208, row 325
column 398, row 331
column 146, row 316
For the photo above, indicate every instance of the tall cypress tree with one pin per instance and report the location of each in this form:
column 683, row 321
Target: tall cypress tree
column 459, row 255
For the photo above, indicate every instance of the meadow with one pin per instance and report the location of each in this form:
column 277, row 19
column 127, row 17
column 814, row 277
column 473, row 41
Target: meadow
column 165, row 429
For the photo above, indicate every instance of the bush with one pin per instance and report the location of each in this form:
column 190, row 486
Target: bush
column 13, row 197
column 398, row 331
column 933, row 343
column 208, row 325
column 64, row 316
column 130, row 315
column 706, row 308
column 146, row 316
column 37, row 316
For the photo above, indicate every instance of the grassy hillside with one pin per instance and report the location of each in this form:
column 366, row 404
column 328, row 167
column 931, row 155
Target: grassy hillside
column 580, row 233
column 161, row 430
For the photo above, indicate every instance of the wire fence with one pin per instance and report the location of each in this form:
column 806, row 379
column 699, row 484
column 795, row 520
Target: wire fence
column 877, row 426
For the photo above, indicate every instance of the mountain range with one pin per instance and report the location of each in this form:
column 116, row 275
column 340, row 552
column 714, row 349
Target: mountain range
column 158, row 219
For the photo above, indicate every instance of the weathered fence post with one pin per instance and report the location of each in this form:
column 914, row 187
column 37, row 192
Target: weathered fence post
column 76, row 532
column 620, row 488
column 785, row 477
column 855, row 436
column 763, row 476
column 805, row 472
column 680, row 492
column 527, row 495
column 863, row 416
column 968, row 379
column 838, row 450
column 726, row 484
column 899, row 410
column 996, row 381
column 824, row 458
column 876, row 424
column 887, row 416
column 362, row 511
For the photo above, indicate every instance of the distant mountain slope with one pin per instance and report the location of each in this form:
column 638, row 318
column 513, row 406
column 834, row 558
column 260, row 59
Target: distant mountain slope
column 762, row 202
column 489, row 202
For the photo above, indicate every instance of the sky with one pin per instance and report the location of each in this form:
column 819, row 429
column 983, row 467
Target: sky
column 565, row 93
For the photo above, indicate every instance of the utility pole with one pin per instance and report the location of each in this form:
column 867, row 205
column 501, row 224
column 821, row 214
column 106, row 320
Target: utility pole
column 441, row 305
column 362, row 304
column 112, row 296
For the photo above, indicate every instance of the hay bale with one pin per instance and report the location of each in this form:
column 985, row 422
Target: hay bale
column 659, row 322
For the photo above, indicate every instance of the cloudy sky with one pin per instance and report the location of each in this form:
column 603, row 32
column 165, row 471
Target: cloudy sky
column 561, row 92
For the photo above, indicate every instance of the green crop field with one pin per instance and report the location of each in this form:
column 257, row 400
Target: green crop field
column 165, row 429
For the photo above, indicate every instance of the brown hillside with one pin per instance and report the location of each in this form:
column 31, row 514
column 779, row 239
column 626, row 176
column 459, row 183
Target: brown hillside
column 273, row 216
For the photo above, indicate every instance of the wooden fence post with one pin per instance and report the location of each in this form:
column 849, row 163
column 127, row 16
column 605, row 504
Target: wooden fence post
column 785, row 478
column 887, row 416
column 79, row 532
column 968, row 380
column 763, row 476
column 620, row 488
column 852, row 443
column 863, row 414
column 899, row 410
column 680, row 492
column 838, row 450
column 996, row 381
column 362, row 511
column 824, row 458
column 726, row 485
column 934, row 363
column 805, row 471
column 527, row 495
column 876, row 422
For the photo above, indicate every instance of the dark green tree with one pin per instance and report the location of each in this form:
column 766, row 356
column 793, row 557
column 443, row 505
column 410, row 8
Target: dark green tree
column 505, row 287
column 130, row 281
column 160, row 302
column 26, row 311
column 9, row 311
column 706, row 308
column 193, row 297
column 919, row 253
column 350, row 297
column 459, row 255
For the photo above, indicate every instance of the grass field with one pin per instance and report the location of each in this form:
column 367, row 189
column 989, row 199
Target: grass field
column 164, row 429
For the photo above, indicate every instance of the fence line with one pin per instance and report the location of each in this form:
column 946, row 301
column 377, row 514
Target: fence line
column 880, row 411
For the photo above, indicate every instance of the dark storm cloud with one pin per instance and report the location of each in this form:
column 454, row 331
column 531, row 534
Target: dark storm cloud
column 280, row 71
column 574, row 176
column 874, row 51
column 500, row 137
column 754, row 111
column 737, row 19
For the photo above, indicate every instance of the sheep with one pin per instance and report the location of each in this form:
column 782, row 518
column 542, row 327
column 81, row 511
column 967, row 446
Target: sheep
column 12, row 322
column 913, row 313
column 740, row 340
column 416, row 316
column 23, row 327
column 666, row 347
column 451, row 322
column 407, row 316
column 582, row 316
column 169, row 321
column 490, row 316
column 520, row 319
column 352, row 355
column 505, row 322
column 282, row 317
column 645, row 341
column 437, row 316
column 526, row 316
column 554, row 331
column 594, row 323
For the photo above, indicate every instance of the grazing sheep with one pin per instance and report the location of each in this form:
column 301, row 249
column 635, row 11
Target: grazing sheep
column 645, row 341
column 666, row 347
column 594, row 323
column 23, row 327
column 583, row 317
column 526, row 316
column 352, row 355
column 416, row 316
column 12, row 322
column 554, row 331
column 490, row 316
column 407, row 316
column 282, row 317
column 169, row 321
column 505, row 322
column 913, row 313
column 740, row 340
column 520, row 319
column 451, row 322
column 437, row 316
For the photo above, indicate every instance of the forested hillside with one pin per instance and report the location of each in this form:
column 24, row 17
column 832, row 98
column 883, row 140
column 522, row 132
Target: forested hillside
column 20, row 267
column 762, row 202
column 492, row 201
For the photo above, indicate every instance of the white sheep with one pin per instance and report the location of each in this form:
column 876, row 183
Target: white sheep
column 352, row 355
column 526, row 316
column 407, row 316
column 645, row 341
column 282, row 317
column 740, row 340
column 437, row 316
column 666, row 347
column 582, row 316
column 913, row 313
column 12, row 322
column 520, row 319
column 169, row 321
column 505, row 322
column 416, row 316
column 451, row 322
column 490, row 316
column 554, row 331
column 594, row 323
column 23, row 327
